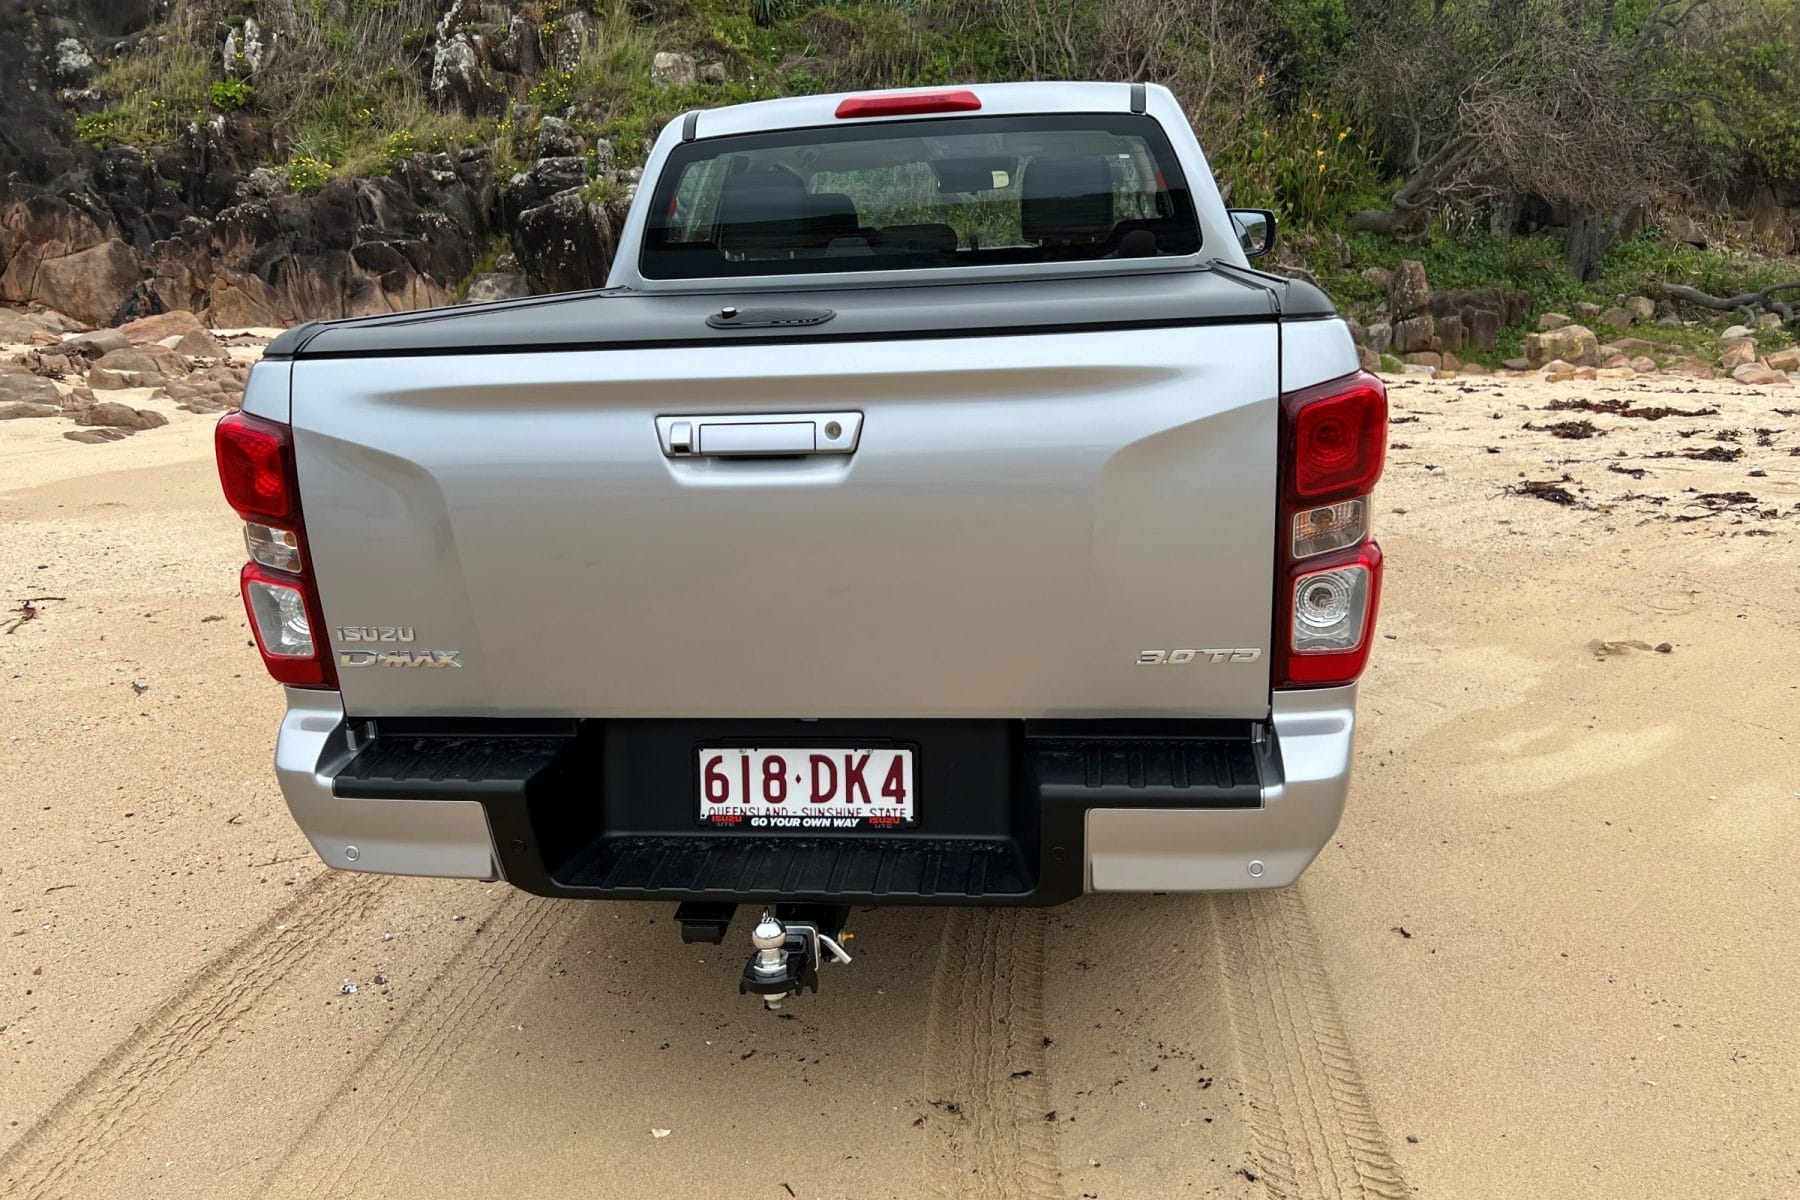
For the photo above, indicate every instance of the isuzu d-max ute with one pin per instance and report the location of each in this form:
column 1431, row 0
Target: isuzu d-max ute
column 934, row 508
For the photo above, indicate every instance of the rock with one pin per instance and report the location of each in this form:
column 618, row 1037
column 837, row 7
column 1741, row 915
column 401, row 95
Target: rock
column 1475, row 369
column 145, row 366
column 712, row 72
column 1756, row 373
column 1558, row 371
column 1368, row 359
column 567, row 243
column 102, row 380
column 557, row 138
column 1617, row 317
column 25, row 388
column 1734, row 332
column 18, row 411
column 553, row 175
column 496, row 285
column 1691, row 367
column 1517, row 364
column 1448, row 333
column 1738, row 351
column 1640, row 307
column 91, row 283
column 1643, row 364
column 1587, row 308
column 1452, row 363
column 574, row 31
column 96, row 436
column 17, row 328
column 1419, row 369
column 1614, row 360
column 1552, row 320
column 1415, row 333
column 1377, row 278
column 1381, row 337
column 1785, row 360
column 92, row 345
column 70, row 62
column 1358, row 335
column 1408, row 291
column 189, row 336
column 671, row 68
column 1424, row 358
column 1630, row 344
column 1685, row 229
column 1768, row 321
column 1483, row 327
column 1574, row 344
column 119, row 416
column 460, row 78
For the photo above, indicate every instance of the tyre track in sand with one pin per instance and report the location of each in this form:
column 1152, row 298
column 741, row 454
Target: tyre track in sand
column 985, row 1061
column 397, row 1082
column 1313, row 1127
column 52, row 1157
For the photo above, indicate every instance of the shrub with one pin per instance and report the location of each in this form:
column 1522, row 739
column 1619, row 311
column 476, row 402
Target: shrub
column 306, row 174
column 228, row 95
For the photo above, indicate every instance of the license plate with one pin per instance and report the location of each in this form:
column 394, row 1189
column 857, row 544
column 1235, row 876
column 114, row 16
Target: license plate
column 814, row 788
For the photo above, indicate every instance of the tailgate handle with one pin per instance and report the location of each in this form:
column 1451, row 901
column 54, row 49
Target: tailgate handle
column 759, row 435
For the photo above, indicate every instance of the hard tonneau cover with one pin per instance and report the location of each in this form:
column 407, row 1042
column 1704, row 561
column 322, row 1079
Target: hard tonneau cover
column 623, row 319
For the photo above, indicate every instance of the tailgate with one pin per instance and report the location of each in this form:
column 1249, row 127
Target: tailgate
column 1022, row 517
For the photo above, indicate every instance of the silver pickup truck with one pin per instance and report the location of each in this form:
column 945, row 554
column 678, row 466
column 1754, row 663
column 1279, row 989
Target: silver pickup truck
column 935, row 508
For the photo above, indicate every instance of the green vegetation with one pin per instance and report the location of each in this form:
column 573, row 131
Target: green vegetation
column 1444, row 113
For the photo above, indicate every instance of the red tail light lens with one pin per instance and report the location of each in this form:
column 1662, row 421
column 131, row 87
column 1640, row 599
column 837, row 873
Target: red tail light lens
column 907, row 104
column 1339, row 437
column 1328, row 581
column 256, row 467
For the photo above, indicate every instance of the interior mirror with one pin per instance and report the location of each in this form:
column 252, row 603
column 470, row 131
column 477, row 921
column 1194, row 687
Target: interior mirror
column 1255, row 228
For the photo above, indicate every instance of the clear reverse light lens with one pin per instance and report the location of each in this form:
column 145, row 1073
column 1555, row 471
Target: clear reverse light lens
column 281, row 624
column 1330, row 527
column 1329, row 607
column 272, row 547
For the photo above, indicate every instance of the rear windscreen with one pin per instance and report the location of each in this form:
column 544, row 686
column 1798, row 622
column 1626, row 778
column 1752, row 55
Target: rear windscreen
column 906, row 195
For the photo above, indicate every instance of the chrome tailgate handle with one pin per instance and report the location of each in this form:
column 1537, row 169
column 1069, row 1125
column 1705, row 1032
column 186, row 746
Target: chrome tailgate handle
column 759, row 435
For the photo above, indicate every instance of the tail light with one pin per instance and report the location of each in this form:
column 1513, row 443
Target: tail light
column 1333, row 441
column 256, row 469
column 907, row 104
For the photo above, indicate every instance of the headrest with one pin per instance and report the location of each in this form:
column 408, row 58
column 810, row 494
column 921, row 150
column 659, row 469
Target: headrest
column 1066, row 200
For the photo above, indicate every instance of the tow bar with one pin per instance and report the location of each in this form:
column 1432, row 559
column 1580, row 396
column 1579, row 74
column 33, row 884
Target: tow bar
column 790, row 942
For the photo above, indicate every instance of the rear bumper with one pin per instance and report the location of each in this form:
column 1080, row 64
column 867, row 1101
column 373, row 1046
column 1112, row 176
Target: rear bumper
column 1115, row 830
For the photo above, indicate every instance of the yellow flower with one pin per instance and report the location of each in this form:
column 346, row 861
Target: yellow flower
column 1318, row 154
column 1315, row 116
column 1342, row 134
column 1321, row 168
column 1259, row 80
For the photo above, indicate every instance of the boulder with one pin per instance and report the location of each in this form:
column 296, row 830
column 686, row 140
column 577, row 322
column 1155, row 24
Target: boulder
column 1643, row 364
column 574, row 31
column 95, row 436
column 671, row 68
column 1573, row 344
column 1557, row 371
column 1483, row 327
column 1358, row 335
column 1424, row 358
column 1368, row 359
column 1768, row 321
column 1449, row 333
column 567, row 243
column 1587, row 308
column 1552, row 320
column 1640, row 307
column 1756, row 373
column 18, row 328
column 1785, row 360
column 1734, row 332
column 461, row 80
column 496, row 285
column 25, row 388
column 1683, row 228
column 1614, row 360
column 1451, row 363
column 1737, row 352
column 114, row 415
column 1377, row 278
column 93, row 345
column 1618, row 317
column 557, row 138
column 1408, row 291
column 1475, row 368
column 1693, row 368
column 1381, row 337
column 92, row 283
column 1415, row 333
column 18, row 411
column 712, row 72
column 178, row 330
column 146, row 366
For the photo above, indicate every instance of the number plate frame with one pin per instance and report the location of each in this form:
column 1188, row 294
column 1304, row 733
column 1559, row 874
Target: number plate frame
column 797, row 813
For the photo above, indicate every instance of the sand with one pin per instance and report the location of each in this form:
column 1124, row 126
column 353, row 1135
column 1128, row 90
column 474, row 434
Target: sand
column 1549, row 953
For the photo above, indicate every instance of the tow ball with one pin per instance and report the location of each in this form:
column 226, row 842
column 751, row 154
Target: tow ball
column 787, row 955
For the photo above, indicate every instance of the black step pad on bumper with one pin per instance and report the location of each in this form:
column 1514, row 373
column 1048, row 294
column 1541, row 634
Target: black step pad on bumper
column 1148, row 772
